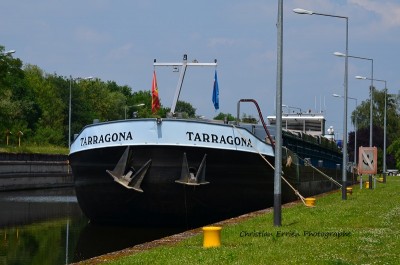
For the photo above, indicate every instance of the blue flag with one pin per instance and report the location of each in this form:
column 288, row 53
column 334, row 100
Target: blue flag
column 215, row 95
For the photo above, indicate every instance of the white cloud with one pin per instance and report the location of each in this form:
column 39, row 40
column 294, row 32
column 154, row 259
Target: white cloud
column 388, row 12
column 121, row 52
column 215, row 42
column 90, row 35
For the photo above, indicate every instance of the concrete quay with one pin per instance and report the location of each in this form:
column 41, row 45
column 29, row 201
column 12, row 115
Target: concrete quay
column 34, row 171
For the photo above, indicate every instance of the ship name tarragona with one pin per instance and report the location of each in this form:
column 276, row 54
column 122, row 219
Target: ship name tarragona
column 106, row 138
column 191, row 137
column 222, row 139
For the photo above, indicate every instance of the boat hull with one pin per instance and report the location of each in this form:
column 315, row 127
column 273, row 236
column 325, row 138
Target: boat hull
column 237, row 168
column 237, row 183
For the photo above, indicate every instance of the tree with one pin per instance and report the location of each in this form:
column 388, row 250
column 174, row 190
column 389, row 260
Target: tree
column 222, row 116
column 362, row 112
column 135, row 104
column 48, row 125
column 18, row 110
column 185, row 107
column 249, row 119
column 394, row 149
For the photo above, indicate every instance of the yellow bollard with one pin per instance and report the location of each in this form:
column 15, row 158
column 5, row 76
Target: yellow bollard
column 211, row 236
column 310, row 201
column 367, row 184
column 349, row 190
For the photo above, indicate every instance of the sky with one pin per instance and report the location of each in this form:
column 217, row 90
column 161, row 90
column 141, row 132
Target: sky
column 119, row 40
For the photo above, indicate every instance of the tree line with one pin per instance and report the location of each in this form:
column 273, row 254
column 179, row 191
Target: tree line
column 361, row 117
column 35, row 105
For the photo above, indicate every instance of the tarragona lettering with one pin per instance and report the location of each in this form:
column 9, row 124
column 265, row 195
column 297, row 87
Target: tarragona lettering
column 218, row 139
column 106, row 138
column 191, row 136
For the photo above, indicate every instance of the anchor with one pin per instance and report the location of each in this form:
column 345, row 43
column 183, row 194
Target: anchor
column 188, row 176
column 132, row 179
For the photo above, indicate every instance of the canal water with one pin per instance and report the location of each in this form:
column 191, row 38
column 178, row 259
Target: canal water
column 47, row 227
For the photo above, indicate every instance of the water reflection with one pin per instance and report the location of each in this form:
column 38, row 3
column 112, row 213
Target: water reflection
column 39, row 226
column 48, row 227
column 95, row 240
column 28, row 207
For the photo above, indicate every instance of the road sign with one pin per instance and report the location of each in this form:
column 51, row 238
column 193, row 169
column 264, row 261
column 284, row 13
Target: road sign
column 367, row 160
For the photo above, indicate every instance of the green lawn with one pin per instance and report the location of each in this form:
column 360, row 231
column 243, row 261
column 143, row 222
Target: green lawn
column 38, row 149
column 364, row 229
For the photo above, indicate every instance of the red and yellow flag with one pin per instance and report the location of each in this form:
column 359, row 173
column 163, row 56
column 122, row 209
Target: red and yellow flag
column 155, row 101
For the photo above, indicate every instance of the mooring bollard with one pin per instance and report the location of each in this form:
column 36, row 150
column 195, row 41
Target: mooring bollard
column 367, row 184
column 310, row 201
column 211, row 236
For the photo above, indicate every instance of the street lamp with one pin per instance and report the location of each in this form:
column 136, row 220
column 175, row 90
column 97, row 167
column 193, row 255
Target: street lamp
column 344, row 150
column 70, row 105
column 9, row 52
column 371, row 100
column 339, row 54
column 137, row 105
column 384, row 123
column 355, row 128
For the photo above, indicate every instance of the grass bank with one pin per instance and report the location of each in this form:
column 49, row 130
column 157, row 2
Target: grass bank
column 35, row 149
column 364, row 229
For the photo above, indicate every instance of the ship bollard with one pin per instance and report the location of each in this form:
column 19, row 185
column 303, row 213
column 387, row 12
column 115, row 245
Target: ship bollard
column 211, row 236
column 367, row 184
column 310, row 202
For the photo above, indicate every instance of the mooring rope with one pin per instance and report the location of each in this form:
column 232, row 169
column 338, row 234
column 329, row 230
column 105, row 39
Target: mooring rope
column 282, row 177
column 319, row 171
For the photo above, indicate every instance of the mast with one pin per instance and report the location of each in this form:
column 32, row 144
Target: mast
column 184, row 64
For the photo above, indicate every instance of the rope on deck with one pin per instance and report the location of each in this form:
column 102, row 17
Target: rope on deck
column 282, row 177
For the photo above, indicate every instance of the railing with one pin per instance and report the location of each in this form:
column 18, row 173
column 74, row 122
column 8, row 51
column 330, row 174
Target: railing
column 259, row 114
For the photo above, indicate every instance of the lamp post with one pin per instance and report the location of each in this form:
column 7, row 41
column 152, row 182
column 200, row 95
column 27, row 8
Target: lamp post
column 278, row 105
column 137, row 105
column 70, row 105
column 9, row 52
column 384, row 123
column 339, row 54
column 384, row 137
column 355, row 128
column 371, row 100
column 344, row 150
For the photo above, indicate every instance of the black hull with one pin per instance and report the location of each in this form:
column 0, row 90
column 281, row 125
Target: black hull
column 239, row 182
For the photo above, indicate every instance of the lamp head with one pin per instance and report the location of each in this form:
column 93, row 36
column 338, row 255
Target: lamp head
column 339, row 54
column 361, row 77
column 9, row 52
column 302, row 11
